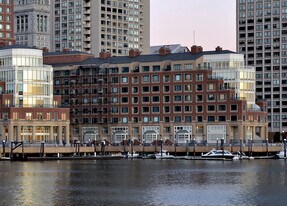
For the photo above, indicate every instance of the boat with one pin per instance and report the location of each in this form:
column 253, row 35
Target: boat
column 164, row 155
column 240, row 156
column 133, row 155
column 225, row 154
column 280, row 155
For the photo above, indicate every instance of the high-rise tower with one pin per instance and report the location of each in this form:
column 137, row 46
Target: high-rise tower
column 6, row 23
column 262, row 38
column 32, row 23
column 93, row 26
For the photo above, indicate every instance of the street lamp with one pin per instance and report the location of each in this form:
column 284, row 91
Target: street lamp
column 132, row 147
column 284, row 148
column 161, row 148
column 174, row 146
column 193, row 147
column 231, row 144
column 267, row 146
column 143, row 146
column 216, row 143
column 282, row 135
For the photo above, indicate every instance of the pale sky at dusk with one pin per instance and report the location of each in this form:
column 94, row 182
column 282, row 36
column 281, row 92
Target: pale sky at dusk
column 174, row 22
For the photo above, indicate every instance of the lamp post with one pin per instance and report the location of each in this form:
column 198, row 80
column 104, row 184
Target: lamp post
column 251, row 147
column 284, row 148
column 174, row 146
column 193, row 147
column 124, row 143
column 161, row 148
column 240, row 147
column 267, row 146
column 132, row 147
column 231, row 144
column 143, row 146
column 216, row 143
column 95, row 147
column 282, row 136
column 187, row 147
column 222, row 146
column 155, row 145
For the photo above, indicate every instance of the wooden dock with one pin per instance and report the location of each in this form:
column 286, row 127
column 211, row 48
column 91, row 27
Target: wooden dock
column 57, row 152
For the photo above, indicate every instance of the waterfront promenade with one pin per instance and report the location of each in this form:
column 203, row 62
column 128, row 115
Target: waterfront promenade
column 57, row 150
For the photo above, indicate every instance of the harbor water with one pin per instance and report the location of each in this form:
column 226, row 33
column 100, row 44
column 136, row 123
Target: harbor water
column 144, row 182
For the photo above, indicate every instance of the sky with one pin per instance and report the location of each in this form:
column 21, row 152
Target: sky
column 176, row 21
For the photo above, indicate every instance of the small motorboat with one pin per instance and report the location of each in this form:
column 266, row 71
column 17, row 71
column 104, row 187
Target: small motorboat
column 133, row 155
column 225, row 154
column 164, row 155
column 240, row 156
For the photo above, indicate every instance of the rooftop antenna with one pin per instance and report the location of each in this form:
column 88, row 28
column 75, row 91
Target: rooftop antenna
column 193, row 37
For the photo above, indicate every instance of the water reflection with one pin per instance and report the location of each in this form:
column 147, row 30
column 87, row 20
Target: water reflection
column 144, row 182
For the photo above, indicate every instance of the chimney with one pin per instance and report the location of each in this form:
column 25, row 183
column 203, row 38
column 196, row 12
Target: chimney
column 196, row 49
column 105, row 55
column 164, row 51
column 218, row 49
column 45, row 49
column 134, row 52
column 66, row 50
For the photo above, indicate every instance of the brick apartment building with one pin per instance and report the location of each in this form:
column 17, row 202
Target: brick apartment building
column 161, row 96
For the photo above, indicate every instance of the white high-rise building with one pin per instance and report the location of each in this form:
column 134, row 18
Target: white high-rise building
column 262, row 38
column 93, row 26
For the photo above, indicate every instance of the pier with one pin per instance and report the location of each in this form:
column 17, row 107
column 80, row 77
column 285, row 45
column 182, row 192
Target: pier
column 85, row 151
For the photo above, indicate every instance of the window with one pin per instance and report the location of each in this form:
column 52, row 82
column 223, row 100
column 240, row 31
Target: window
column 199, row 77
column 155, row 88
column 211, row 108
column 188, row 66
column 156, row 68
column 199, row 118
column 177, row 67
column 125, row 109
column 145, row 89
column 166, row 78
column 145, row 109
column 155, row 109
column 155, row 119
column 233, row 118
column 188, row 77
column 210, row 87
column 221, row 107
column 199, row 108
column 125, row 120
column 233, row 107
column 199, row 98
column 188, row 118
column 166, row 98
column 177, row 119
column 146, row 78
column 177, row 109
column 177, row 77
column 187, row 108
column 221, row 118
column 188, row 87
column 135, row 90
column 145, row 119
column 210, row 118
column 145, row 99
column 28, row 116
column 125, row 90
column 155, row 99
column 125, row 70
column 166, row 88
column 155, row 78
column 211, row 97
column 177, row 98
column 221, row 97
column 177, row 88
column 188, row 98
column 125, row 79
column 199, row 87
column 145, row 68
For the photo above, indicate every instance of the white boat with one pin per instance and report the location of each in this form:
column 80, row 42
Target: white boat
column 133, row 155
column 280, row 155
column 240, row 156
column 164, row 155
column 218, row 154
